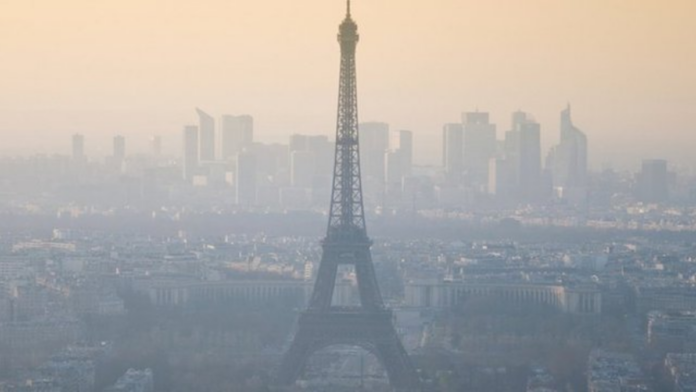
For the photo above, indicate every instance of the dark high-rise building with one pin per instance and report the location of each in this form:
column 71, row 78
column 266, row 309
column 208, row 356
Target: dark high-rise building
column 119, row 148
column 206, row 136
column 529, row 160
column 347, row 244
column 653, row 181
column 520, row 170
column 237, row 133
column 453, row 151
column 190, row 153
column 78, row 147
column 479, row 146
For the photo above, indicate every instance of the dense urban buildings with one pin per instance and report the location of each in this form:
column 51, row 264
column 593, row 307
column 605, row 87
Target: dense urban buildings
column 504, row 273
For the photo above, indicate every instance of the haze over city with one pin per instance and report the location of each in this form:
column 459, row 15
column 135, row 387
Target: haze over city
column 186, row 192
column 137, row 69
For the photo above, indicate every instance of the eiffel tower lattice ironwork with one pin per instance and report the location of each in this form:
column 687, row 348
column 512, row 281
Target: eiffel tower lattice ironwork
column 369, row 325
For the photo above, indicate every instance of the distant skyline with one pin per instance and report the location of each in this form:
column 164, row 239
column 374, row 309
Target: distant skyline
column 136, row 69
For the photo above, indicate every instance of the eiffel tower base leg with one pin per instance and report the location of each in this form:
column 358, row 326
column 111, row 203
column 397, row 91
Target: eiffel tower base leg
column 373, row 331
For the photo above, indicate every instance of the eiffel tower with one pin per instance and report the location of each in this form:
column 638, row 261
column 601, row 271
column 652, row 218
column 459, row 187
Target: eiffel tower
column 369, row 325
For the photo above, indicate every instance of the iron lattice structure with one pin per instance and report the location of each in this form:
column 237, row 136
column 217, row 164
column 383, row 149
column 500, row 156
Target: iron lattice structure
column 369, row 325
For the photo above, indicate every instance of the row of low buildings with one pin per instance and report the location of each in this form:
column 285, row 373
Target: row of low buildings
column 419, row 294
column 191, row 272
column 586, row 299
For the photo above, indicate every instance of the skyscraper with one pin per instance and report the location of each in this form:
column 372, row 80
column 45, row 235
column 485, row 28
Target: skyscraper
column 568, row 160
column 402, row 141
column 394, row 169
column 298, row 142
column 453, row 151
column 190, row 153
column 398, row 164
column 206, row 136
column 321, row 151
column 501, row 180
column 479, row 146
column 504, row 168
column 521, row 166
column 512, row 147
column 78, row 147
column 311, row 165
column 237, row 133
column 653, row 181
column 529, row 159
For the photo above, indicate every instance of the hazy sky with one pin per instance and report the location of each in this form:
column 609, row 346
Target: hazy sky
column 102, row 67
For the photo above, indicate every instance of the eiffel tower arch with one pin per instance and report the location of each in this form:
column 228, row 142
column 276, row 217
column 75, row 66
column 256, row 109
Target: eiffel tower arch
column 370, row 325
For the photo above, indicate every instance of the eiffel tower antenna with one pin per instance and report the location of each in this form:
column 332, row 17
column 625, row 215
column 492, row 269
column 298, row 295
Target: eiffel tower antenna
column 369, row 325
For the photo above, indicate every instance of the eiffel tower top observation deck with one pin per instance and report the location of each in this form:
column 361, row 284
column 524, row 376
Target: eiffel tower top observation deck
column 347, row 216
